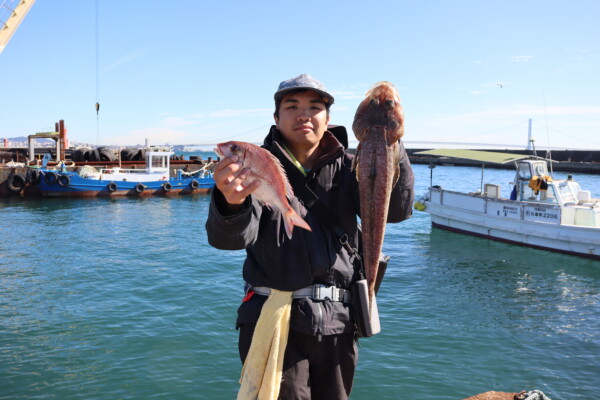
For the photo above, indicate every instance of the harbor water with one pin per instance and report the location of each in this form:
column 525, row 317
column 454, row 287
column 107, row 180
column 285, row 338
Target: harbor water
column 125, row 299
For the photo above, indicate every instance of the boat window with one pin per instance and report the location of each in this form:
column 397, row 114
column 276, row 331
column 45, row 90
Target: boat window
column 527, row 193
column 524, row 171
column 575, row 189
column 158, row 162
column 565, row 193
column 548, row 196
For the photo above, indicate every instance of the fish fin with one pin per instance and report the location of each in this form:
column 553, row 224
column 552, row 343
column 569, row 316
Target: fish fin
column 291, row 219
column 356, row 161
column 289, row 192
column 396, row 164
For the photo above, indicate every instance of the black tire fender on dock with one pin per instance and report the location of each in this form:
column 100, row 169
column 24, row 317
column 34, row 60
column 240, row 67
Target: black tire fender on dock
column 31, row 175
column 111, row 187
column 50, row 177
column 63, row 180
column 36, row 176
column 16, row 183
column 194, row 184
column 167, row 186
column 139, row 188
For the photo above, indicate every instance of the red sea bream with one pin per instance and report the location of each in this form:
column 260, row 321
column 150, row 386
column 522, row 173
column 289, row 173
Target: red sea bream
column 275, row 188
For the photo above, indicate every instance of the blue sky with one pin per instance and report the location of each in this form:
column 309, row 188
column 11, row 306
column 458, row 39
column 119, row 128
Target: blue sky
column 185, row 71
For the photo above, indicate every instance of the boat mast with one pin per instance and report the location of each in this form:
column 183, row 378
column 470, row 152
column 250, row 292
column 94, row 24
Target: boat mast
column 481, row 186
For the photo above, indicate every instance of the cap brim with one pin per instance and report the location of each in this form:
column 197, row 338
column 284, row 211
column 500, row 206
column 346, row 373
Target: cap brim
column 279, row 95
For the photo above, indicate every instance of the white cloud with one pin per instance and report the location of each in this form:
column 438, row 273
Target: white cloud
column 175, row 122
column 124, row 60
column 579, row 50
column 347, row 95
column 155, row 136
column 242, row 112
column 502, row 114
column 521, row 58
column 568, row 126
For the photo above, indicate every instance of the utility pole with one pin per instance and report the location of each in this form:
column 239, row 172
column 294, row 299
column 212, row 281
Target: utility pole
column 529, row 138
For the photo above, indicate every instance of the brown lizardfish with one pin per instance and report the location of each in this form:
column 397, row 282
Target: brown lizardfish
column 378, row 125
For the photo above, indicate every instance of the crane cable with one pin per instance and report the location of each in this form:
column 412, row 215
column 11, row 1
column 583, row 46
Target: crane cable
column 97, row 80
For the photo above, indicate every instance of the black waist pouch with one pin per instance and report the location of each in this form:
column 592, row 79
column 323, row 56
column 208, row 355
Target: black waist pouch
column 367, row 324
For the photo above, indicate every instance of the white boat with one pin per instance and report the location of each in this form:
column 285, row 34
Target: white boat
column 541, row 212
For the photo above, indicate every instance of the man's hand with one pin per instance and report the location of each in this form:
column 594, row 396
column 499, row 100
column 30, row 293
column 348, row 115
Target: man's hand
column 231, row 179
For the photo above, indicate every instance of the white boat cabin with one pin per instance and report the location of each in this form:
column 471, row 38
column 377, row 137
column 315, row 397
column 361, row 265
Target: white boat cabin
column 157, row 169
column 548, row 191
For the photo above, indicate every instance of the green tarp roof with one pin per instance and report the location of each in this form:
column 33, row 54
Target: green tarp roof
column 477, row 155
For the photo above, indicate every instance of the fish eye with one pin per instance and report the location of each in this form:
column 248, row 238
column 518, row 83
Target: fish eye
column 374, row 102
column 234, row 148
column 390, row 103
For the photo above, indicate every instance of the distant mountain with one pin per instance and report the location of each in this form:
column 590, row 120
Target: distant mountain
column 17, row 139
column 23, row 139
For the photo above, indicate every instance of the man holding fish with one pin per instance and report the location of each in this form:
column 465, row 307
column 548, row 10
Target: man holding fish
column 296, row 320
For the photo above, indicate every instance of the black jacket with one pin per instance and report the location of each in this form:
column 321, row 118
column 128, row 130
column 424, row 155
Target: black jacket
column 275, row 261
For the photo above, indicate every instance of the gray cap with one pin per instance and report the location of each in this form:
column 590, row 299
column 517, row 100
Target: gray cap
column 304, row 81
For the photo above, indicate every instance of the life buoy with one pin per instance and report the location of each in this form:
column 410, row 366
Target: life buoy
column 419, row 205
column 50, row 177
column 139, row 188
column 167, row 186
column 16, row 183
column 64, row 180
column 194, row 184
column 111, row 187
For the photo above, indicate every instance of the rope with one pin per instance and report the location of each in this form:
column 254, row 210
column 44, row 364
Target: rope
column 203, row 169
column 536, row 395
column 97, row 78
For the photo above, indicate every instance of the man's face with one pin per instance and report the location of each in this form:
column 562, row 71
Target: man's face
column 302, row 120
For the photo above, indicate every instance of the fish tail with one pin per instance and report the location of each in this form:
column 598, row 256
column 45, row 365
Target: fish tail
column 291, row 219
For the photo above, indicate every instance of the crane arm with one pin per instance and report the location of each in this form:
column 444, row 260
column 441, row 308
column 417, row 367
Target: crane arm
column 10, row 18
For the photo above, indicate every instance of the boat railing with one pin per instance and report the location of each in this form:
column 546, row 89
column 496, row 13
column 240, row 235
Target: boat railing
column 118, row 170
column 205, row 171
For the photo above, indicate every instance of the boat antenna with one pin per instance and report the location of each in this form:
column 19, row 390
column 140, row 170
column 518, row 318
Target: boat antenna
column 97, row 79
column 431, row 167
column 549, row 152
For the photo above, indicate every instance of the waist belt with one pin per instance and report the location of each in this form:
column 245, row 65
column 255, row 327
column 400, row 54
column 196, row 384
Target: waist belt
column 315, row 292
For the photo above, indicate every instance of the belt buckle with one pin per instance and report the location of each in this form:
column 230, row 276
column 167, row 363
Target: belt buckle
column 316, row 292
column 322, row 292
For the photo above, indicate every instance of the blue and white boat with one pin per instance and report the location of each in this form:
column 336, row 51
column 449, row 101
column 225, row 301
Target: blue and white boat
column 154, row 179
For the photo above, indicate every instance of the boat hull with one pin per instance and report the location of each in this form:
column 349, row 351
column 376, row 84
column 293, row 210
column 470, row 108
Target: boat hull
column 521, row 223
column 72, row 185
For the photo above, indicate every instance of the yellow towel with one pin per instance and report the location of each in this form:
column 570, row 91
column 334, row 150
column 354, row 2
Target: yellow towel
column 261, row 373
